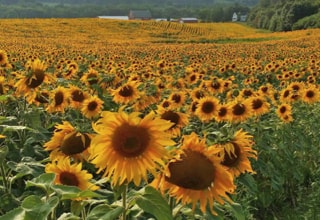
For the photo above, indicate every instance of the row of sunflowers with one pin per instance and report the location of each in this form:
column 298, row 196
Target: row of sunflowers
column 118, row 128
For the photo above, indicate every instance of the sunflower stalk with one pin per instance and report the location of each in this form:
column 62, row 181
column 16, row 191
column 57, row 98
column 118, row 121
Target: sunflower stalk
column 124, row 202
column 4, row 178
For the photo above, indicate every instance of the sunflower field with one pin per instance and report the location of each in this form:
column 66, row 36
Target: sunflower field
column 103, row 119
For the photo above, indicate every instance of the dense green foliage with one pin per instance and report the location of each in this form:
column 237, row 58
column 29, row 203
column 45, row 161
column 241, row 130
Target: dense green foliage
column 285, row 15
column 205, row 10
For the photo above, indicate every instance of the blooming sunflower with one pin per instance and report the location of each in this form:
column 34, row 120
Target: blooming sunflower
column 236, row 153
column 92, row 107
column 207, row 108
column 34, row 78
column 91, row 77
column 126, row 93
column 58, row 100
column 178, row 119
column 3, row 57
column 71, row 70
column 259, row 105
column 240, row 110
column 177, row 98
column 68, row 142
column 284, row 112
column 223, row 113
column 310, row 94
column 77, row 96
column 126, row 146
column 70, row 174
column 195, row 174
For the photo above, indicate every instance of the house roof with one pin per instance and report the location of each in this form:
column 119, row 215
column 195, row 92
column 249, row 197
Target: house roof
column 140, row 13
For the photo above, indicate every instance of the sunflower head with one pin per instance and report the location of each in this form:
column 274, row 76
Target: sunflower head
column 3, row 57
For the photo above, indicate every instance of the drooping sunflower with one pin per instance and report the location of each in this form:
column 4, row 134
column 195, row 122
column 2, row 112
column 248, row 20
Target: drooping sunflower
column 236, row 153
column 72, row 69
column 3, row 57
column 58, row 100
column 77, row 96
column 70, row 174
column 40, row 97
column 35, row 76
column 92, row 107
column 207, row 108
column 196, row 175
column 127, row 146
column 126, row 93
column 178, row 119
column 68, row 142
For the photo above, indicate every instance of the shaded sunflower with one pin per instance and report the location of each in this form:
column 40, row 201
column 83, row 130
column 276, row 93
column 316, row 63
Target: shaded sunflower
column 126, row 93
column 58, row 100
column 236, row 153
column 310, row 94
column 92, row 107
column 178, row 119
column 215, row 85
column 34, row 78
column 198, row 93
column 91, row 77
column 196, row 175
column 223, row 113
column 40, row 97
column 70, row 174
column 77, row 96
column 127, row 147
column 3, row 57
column 207, row 108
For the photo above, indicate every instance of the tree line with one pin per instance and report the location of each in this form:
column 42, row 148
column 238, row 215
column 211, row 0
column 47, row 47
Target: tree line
column 285, row 15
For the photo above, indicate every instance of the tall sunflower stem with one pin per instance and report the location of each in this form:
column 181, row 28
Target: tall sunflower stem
column 124, row 202
column 4, row 178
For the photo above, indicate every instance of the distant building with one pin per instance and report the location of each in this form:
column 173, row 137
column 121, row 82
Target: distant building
column 234, row 17
column 243, row 18
column 139, row 15
column 188, row 20
column 114, row 17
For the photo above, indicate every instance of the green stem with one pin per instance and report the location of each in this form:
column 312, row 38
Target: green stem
column 124, row 202
column 4, row 178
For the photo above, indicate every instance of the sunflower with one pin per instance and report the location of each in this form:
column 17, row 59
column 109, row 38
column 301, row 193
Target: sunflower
column 177, row 98
column 71, row 70
column 207, row 108
column 126, row 93
column 70, row 174
column 284, row 109
column 68, row 142
column 91, row 77
column 259, row 105
column 92, row 107
column 127, row 147
column 196, row 175
column 223, row 113
column 58, row 100
column 310, row 94
column 34, row 78
column 3, row 57
column 77, row 96
column 40, row 97
column 198, row 93
column 236, row 153
column 178, row 119
column 240, row 110
column 3, row 87
column 214, row 86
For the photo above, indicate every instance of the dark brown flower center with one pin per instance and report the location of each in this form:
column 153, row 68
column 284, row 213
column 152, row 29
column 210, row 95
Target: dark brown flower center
column 172, row 117
column 68, row 179
column 194, row 171
column 166, row 104
column 176, row 98
column 75, row 143
column 238, row 109
column 92, row 106
column 130, row 141
column 283, row 109
column 207, row 107
column 215, row 85
column 257, row 103
column 232, row 158
column 58, row 98
column 310, row 94
column 222, row 111
column 77, row 96
column 36, row 79
column 199, row 94
column 247, row 92
column 286, row 93
column 126, row 91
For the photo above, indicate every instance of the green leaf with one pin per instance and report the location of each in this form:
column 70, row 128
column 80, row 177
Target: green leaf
column 153, row 203
column 105, row 212
column 14, row 214
column 3, row 153
column 249, row 182
column 72, row 192
column 44, row 181
column 68, row 216
column 236, row 209
column 37, row 209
